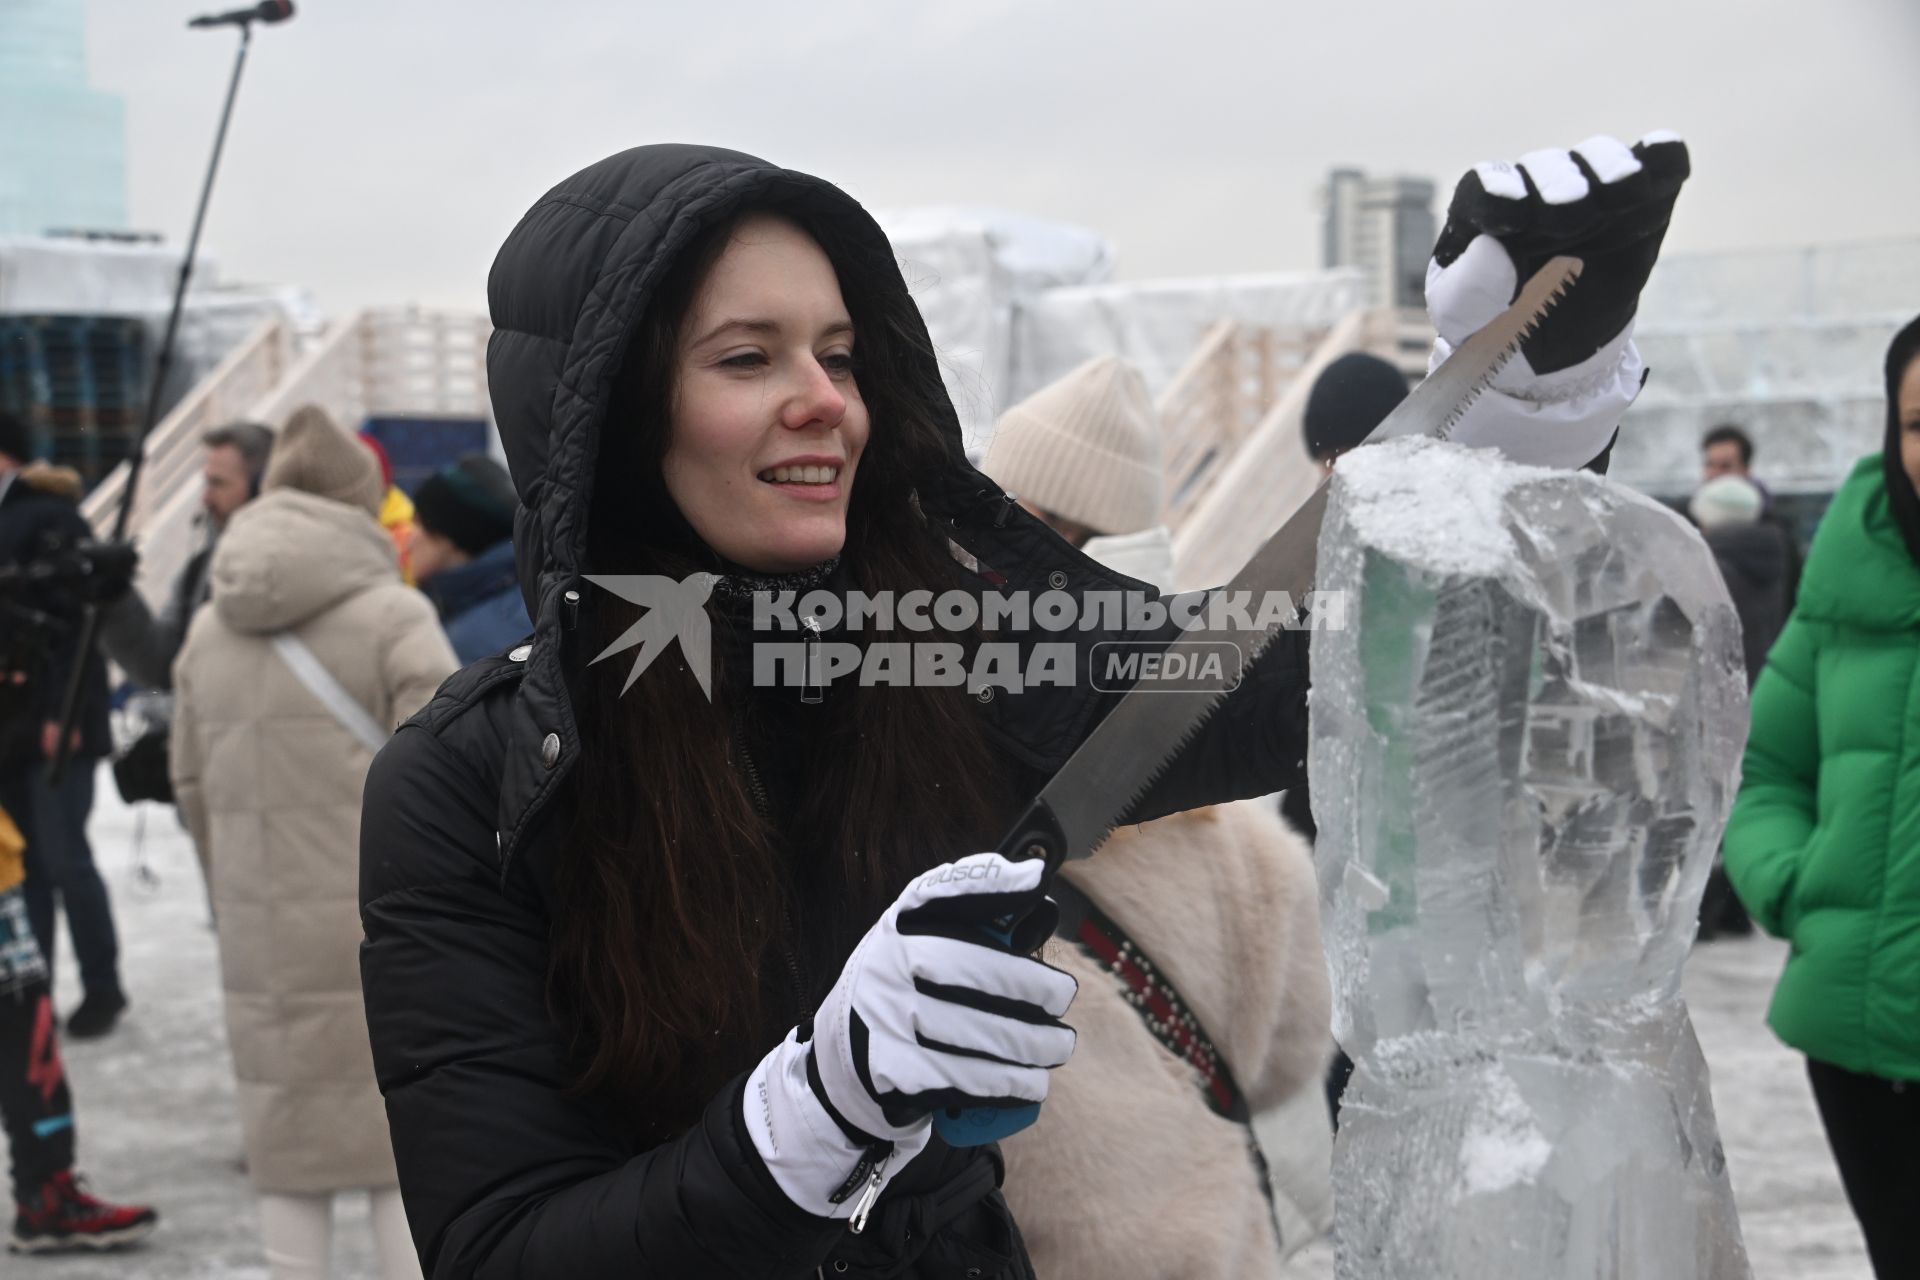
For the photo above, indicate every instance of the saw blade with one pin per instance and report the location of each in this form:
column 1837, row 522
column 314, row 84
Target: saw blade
column 1116, row 765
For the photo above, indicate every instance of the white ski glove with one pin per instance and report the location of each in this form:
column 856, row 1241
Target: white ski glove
column 927, row 1013
column 1559, row 401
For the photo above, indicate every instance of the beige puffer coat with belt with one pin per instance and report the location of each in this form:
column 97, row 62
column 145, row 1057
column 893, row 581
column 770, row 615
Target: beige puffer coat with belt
column 269, row 784
column 1128, row 1173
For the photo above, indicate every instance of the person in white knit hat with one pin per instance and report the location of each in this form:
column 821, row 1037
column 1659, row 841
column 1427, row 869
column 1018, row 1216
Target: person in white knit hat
column 1083, row 453
column 1223, row 901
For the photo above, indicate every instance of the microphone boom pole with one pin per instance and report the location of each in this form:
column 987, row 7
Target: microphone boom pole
column 136, row 454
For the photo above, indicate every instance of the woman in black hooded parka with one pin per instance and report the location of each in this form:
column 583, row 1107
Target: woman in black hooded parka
column 670, row 1021
column 668, row 980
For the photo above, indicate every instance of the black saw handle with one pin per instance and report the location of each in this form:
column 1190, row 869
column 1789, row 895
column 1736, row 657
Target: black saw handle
column 1036, row 836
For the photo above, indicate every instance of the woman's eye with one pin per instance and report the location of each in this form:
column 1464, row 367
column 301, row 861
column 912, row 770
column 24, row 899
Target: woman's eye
column 838, row 362
column 745, row 360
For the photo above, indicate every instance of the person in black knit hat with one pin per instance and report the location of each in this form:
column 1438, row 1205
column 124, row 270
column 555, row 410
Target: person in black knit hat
column 1351, row 397
column 463, row 556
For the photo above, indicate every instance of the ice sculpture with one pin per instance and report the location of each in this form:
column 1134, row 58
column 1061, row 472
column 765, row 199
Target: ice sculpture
column 1524, row 748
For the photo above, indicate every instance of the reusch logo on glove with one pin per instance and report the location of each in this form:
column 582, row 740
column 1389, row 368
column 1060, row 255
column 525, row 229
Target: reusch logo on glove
column 960, row 871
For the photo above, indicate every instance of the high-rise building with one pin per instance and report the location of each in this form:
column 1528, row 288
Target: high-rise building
column 1386, row 228
column 62, row 143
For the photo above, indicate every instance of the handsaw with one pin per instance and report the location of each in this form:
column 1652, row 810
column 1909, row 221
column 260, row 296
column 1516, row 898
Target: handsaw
column 1147, row 729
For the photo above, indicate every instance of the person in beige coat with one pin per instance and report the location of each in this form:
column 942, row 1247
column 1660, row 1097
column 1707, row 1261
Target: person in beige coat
column 1129, row 1171
column 269, row 781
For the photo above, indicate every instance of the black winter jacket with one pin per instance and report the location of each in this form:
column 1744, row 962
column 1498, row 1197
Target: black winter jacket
column 36, row 525
column 505, row 1171
column 1755, row 560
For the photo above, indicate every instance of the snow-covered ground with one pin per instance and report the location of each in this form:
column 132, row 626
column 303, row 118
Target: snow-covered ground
column 155, row 1100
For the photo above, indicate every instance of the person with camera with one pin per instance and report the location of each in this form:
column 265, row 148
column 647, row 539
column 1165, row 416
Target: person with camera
column 40, row 521
column 38, row 578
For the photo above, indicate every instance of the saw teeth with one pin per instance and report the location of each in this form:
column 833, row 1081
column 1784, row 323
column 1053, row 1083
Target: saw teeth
column 1553, row 299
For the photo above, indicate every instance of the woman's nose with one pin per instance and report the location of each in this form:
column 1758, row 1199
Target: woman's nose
column 815, row 401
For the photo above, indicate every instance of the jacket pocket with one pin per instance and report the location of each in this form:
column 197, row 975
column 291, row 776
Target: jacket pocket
column 981, row 1244
column 930, row 1237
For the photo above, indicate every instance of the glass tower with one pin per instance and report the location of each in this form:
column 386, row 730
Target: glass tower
column 62, row 143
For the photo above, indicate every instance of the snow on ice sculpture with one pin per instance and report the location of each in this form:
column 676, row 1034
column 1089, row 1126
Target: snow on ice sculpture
column 1524, row 747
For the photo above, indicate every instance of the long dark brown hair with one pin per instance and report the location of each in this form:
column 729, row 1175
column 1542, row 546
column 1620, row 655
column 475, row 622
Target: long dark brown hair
column 673, row 894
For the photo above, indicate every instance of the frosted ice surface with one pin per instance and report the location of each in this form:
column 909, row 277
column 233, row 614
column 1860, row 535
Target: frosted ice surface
column 1524, row 748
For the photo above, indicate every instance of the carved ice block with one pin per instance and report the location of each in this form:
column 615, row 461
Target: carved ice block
column 1524, row 748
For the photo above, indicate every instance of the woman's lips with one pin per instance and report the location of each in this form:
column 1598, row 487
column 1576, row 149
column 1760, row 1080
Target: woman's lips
column 810, row 492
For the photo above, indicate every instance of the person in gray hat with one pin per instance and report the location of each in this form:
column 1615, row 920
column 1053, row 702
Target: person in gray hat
column 145, row 643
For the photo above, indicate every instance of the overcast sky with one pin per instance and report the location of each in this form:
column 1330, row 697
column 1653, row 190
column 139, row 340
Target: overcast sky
column 382, row 149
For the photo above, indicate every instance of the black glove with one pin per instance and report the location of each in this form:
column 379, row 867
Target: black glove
column 1600, row 202
column 1559, row 401
column 108, row 570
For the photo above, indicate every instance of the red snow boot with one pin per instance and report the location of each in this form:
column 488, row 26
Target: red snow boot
column 62, row 1217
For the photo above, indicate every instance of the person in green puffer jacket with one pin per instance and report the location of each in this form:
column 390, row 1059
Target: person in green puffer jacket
column 1824, row 842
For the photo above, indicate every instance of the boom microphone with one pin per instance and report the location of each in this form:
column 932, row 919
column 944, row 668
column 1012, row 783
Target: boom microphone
column 265, row 11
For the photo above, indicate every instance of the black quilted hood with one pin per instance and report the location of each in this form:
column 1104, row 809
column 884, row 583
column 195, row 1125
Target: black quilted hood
column 566, row 293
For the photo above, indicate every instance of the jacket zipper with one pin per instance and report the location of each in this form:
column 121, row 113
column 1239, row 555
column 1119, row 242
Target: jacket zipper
column 812, row 692
column 758, row 793
column 863, row 1207
column 866, row 1178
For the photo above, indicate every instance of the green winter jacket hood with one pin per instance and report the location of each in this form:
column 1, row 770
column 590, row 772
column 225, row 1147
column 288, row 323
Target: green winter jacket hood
column 1824, row 842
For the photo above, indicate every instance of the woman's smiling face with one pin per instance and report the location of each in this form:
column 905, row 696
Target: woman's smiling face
column 767, row 420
